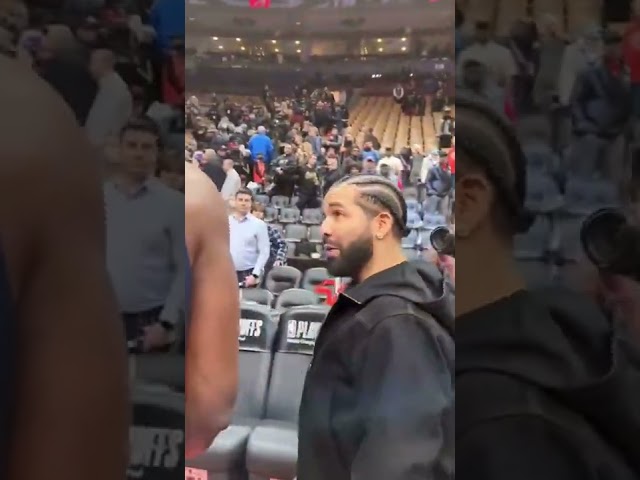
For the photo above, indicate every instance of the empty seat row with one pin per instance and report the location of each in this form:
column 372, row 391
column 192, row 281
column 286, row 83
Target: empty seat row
column 291, row 297
column 285, row 277
column 309, row 216
column 580, row 196
column 262, row 440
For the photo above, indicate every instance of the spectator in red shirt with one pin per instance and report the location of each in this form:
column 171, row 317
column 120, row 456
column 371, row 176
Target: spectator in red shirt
column 631, row 52
column 451, row 160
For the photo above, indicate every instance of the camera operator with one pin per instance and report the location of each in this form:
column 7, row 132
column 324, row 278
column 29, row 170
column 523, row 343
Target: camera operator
column 545, row 385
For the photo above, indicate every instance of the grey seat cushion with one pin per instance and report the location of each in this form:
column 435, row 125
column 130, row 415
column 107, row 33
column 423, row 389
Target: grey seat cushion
column 272, row 450
column 227, row 452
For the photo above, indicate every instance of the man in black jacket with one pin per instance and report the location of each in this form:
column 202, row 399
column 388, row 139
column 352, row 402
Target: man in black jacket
column 378, row 401
column 546, row 388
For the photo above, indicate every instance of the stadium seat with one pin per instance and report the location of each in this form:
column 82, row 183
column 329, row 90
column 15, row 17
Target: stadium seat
column 162, row 369
column 543, row 194
column 158, row 419
column 289, row 215
column 315, row 234
column 431, row 221
column 296, row 297
column 225, row 458
column 411, row 253
column 312, row 216
column 413, row 205
column 291, row 249
column 413, row 219
column 260, row 296
column 314, row 277
column 272, row 450
column 270, row 214
column 294, row 232
column 410, row 240
column 280, row 279
column 262, row 199
column 583, row 197
column 280, row 201
column 567, row 237
column 535, row 243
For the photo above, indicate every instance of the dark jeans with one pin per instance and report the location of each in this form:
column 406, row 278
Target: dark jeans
column 307, row 201
column 242, row 274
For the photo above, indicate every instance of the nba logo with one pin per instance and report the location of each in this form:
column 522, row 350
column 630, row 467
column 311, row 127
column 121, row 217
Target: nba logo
column 259, row 3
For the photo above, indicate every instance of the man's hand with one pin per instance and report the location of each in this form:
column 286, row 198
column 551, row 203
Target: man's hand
column 155, row 336
column 250, row 281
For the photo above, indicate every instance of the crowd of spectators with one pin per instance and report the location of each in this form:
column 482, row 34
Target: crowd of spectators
column 119, row 66
column 572, row 98
column 266, row 148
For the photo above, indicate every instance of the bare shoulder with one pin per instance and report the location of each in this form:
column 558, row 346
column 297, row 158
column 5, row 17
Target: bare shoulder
column 205, row 213
column 41, row 134
column 48, row 173
column 200, row 192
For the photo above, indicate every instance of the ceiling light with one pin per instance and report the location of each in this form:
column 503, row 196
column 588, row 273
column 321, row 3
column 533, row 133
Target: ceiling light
column 214, row 38
column 276, row 50
column 381, row 49
column 242, row 48
column 238, row 39
column 404, row 49
column 220, row 47
column 298, row 51
column 274, row 41
column 379, row 40
column 403, row 39
column 297, row 42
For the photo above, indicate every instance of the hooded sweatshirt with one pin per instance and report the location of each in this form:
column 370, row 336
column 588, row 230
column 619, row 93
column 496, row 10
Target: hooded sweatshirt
column 378, row 401
column 560, row 344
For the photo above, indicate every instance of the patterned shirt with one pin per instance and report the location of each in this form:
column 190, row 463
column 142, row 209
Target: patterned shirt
column 278, row 246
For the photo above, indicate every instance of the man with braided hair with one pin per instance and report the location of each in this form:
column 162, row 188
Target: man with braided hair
column 378, row 399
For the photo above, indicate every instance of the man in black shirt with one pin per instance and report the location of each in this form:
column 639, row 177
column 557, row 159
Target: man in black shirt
column 545, row 388
column 378, row 397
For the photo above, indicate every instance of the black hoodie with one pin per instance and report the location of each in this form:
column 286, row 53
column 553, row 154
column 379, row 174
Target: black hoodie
column 378, row 401
column 560, row 344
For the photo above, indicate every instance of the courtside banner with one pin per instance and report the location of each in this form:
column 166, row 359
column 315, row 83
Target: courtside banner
column 195, row 474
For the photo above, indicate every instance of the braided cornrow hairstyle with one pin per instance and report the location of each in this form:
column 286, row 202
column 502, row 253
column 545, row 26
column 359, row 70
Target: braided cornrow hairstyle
column 378, row 194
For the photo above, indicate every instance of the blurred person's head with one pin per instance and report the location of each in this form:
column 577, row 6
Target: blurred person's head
column 482, row 32
column 227, row 164
column 287, row 149
column 368, row 146
column 243, row 201
column 102, row 63
column 332, row 162
column 364, row 224
column 474, row 75
column 385, row 171
column 89, row 31
column 355, row 169
column 139, row 147
column 14, row 18
column 58, row 42
column 257, row 210
column 490, row 185
column 312, row 160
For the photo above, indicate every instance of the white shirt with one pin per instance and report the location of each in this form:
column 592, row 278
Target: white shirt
column 394, row 163
column 498, row 60
column 111, row 109
column 231, row 184
column 145, row 247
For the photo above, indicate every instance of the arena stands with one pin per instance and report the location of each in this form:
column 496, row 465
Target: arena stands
column 571, row 173
column 317, row 134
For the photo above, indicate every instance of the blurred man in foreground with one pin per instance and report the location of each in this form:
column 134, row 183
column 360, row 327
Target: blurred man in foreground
column 64, row 407
column 212, row 321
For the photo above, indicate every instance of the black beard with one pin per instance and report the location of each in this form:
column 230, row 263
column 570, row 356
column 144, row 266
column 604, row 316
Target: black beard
column 352, row 258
